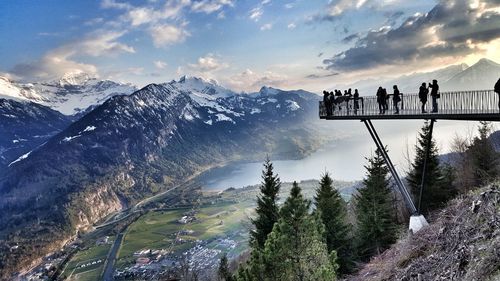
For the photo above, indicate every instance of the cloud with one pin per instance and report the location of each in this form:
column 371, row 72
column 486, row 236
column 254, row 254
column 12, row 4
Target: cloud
column 267, row 26
column 170, row 10
column 249, row 80
column 319, row 76
column 350, row 38
column 61, row 60
column 112, row 4
column 210, row 6
column 256, row 13
column 208, row 63
column 166, row 34
column 453, row 28
column 160, row 64
column 291, row 25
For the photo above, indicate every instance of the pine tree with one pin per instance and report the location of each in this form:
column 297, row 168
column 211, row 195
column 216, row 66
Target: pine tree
column 376, row 228
column 267, row 211
column 484, row 157
column 333, row 213
column 224, row 273
column 296, row 248
column 437, row 188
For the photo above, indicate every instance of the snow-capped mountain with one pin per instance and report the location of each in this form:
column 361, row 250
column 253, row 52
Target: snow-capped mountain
column 74, row 93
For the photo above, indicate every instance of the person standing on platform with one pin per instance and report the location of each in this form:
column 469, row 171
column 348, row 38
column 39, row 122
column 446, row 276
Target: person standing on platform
column 386, row 97
column 434, row 94
column 497, row 90
column 380, row 100
column 422, row 95
column 396, row 98
column 356, row 101
column 326, row 102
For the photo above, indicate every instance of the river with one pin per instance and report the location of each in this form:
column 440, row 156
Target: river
column 344, row 158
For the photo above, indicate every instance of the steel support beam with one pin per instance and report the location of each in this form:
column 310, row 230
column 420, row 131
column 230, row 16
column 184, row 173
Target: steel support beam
column 427, row 152
column 402, row 189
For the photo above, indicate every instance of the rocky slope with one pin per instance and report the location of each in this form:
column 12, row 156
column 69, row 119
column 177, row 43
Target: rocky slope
column 462, row 243
column 134, row 146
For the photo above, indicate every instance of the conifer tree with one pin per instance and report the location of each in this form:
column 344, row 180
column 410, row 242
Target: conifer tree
column 267, row 211
column 376, row 228
column 224, row 273
column 484, row 157
column 296, row 248
column 333, row 213
column 438, row 186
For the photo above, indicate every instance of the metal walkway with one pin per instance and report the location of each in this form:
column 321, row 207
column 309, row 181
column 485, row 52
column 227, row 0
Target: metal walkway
column 465, row 105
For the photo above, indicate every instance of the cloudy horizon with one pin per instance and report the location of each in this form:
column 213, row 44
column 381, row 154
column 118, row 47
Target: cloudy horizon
column 245, row 44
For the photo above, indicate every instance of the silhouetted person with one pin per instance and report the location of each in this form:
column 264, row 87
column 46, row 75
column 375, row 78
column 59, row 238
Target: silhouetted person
column 422, row 95
column 497, row 90
column 327, row 103
column 331, row 97
column 386, row 97
column 396, row 98
column 434, row 94
column 349, row 92
column 380, row 100
column 356, row 101
column 338, row 95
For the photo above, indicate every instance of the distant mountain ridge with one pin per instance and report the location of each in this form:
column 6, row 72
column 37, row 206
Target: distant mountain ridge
column 461, row 77
column 25, row 126
column 72, row 94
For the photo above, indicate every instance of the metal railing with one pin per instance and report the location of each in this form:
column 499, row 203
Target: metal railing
column 449, row 103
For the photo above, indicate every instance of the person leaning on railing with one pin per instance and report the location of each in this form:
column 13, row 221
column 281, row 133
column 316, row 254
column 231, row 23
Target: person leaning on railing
column 497, row 90
column 356, row 101
column 434, row 94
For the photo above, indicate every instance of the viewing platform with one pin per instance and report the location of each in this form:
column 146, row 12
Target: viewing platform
column 464, row 105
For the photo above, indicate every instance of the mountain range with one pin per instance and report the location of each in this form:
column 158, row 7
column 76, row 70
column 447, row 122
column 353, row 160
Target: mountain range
column 134, row 146
column 461, row 77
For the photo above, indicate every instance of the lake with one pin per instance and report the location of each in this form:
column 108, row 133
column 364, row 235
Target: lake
column 344, row 158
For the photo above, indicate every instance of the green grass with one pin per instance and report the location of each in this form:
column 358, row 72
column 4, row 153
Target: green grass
column 156, row 230
column 91, row 254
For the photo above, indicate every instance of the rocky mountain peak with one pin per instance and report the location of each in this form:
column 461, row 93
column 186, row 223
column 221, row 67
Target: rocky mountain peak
column 75, row 78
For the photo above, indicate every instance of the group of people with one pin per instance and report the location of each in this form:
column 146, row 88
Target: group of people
column 382, row 98
column 336, row 98
column 423, row 93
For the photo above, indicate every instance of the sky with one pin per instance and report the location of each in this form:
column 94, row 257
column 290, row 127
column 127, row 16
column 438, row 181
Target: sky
column 243, row 44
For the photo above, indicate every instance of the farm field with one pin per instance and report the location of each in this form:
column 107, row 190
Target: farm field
column 87, row 264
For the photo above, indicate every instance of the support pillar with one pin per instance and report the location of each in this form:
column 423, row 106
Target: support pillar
column 417, row 221
column 427, row 152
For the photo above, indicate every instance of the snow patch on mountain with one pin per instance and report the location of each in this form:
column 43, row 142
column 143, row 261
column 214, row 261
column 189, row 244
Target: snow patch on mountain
column 221, row 117
column 293, row 105
column 68, row 139
column 22, row 157
column 89, row 129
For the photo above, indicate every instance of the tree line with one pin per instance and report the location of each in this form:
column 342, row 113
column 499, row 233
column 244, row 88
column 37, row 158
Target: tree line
column 317, row 240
